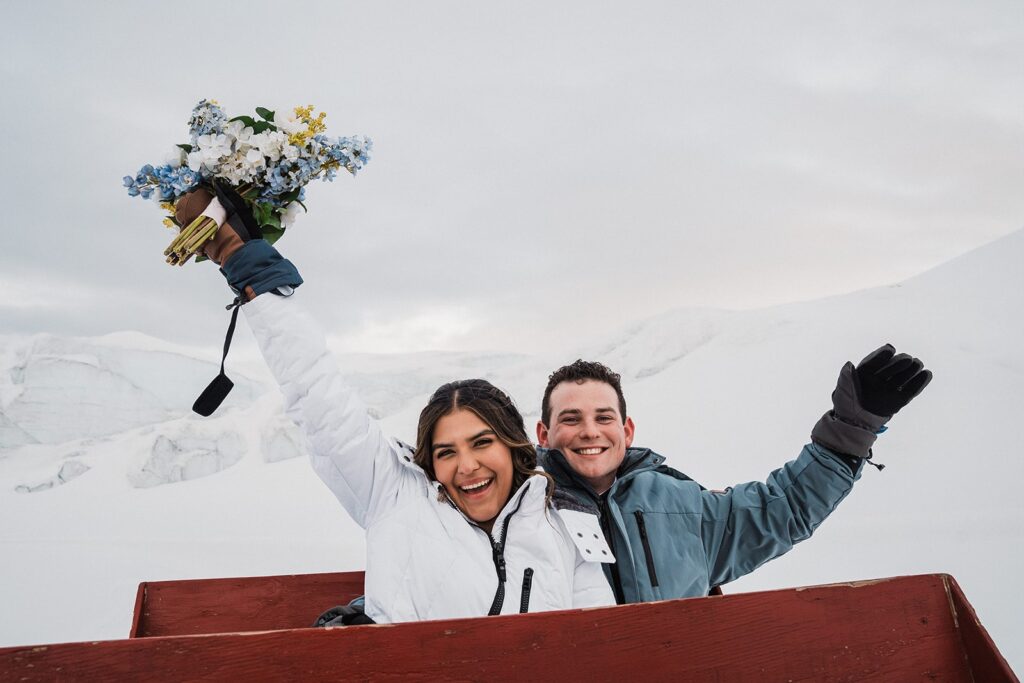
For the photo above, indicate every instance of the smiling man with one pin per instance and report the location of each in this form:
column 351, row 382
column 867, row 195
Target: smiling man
column 671, row 537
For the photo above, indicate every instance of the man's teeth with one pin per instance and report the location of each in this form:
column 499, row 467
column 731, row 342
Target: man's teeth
column 589, row 451
column 473, row 487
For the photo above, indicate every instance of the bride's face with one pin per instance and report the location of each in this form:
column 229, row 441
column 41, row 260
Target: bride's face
column 473, row 465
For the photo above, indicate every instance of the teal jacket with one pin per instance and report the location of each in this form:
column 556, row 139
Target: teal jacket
column 672, row 538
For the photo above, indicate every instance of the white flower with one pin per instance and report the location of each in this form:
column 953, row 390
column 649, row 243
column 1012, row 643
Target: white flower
column 238, row 130
column 269, row 143
column 211, row 149
column 290, row 213
column 175, row 157
column 288, row 122
column 236, row 169
column 291, row 152
column 195, row 160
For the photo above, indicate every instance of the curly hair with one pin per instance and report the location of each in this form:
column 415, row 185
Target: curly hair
column 580, row 371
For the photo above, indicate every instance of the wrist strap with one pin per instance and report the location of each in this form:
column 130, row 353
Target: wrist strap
column 215, row 393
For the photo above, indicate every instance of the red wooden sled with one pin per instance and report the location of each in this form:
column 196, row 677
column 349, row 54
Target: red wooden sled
column 900, row 629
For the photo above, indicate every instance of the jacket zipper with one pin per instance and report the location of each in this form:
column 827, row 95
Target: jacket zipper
column 524, row 601
column 497, row 551
column 498, row 554
column 606, row 527
column 647, row 548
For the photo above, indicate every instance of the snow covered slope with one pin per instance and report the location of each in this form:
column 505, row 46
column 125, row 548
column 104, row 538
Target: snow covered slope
column 53, row 389
column 93, row 506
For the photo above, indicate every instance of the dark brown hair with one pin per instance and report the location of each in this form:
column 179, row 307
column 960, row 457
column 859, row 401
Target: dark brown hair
column 496, row 409
column 580, row 371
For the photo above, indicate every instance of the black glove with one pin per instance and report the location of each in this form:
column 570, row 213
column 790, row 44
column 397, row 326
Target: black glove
column 352, row 614
column 866, row 397
column 886, row 381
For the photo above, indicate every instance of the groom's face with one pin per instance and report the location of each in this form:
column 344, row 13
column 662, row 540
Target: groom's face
column 585, row 425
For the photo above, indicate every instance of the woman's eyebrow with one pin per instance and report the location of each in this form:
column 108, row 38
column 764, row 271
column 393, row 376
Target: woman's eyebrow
column 476, row 436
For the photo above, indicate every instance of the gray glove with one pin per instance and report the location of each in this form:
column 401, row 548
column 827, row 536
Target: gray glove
column 883, row 382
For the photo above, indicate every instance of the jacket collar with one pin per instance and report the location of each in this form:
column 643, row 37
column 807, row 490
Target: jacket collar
column 526, row 495
column 636, row 460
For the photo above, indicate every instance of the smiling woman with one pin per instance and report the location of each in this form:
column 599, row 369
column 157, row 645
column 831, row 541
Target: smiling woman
column 449, row 524
column 472, row 441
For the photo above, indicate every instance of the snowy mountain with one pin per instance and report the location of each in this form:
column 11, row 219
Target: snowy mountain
column 106, row 479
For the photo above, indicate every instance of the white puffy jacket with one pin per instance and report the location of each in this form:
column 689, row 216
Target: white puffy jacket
column 424, row 559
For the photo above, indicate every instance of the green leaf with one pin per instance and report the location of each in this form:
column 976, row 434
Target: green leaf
column 271, row 234
column 187, row 148
column 261, row 212
column 273, row 221
column 265, row 113
column 247, row 120
column 303, row 206
column 261, row 126
column 291, row 196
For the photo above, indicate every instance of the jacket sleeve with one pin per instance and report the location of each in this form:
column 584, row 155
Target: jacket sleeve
column 752, row 523
column 347, row 448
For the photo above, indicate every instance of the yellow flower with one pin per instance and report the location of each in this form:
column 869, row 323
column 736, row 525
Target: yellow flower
column 167, row 206
column 317, row 125
column 170, row 223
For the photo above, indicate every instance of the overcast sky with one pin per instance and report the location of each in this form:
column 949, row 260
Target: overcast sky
column 542, row 172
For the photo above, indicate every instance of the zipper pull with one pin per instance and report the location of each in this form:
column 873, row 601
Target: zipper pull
column 524, row 600
column 499, row 562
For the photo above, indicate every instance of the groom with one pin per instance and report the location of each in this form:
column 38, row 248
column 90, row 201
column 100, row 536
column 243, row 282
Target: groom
column 671, row 537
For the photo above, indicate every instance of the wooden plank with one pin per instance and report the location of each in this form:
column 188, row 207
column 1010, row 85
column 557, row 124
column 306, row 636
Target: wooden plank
column 140, row 596
column 900, row 629
column 259, row 603
column 187, row 607
column 983, row 656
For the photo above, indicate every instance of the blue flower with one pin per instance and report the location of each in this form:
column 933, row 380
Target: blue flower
column 207, row 119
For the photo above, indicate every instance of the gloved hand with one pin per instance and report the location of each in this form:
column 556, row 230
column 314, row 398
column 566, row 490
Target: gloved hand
column 866, row 397
column 886, row 381
column 250, row 265
column 239, row 224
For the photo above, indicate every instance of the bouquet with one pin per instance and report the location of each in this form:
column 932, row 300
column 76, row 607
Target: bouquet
column 267, row 160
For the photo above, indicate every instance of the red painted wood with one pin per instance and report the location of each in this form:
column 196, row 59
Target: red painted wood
column 140, row 594
column 983, row 656
column 257, row 603
column 901, row 629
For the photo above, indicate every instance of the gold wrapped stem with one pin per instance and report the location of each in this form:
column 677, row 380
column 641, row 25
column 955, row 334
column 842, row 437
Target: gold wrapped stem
column 190, row 240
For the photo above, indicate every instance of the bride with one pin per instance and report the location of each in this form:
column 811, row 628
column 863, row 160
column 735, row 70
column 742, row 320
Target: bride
column 462, row 525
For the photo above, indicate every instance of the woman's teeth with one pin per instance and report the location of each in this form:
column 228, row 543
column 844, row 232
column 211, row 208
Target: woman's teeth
column 476, row 487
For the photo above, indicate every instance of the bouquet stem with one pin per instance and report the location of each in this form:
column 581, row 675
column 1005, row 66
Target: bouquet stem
column 190, row 240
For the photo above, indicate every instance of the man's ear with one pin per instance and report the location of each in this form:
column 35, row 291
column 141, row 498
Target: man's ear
column 629, row 428
column 542, row 434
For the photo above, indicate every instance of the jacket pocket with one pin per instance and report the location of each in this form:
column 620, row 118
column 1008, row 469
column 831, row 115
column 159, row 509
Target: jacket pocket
column 524, row 601
column 648, row 555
